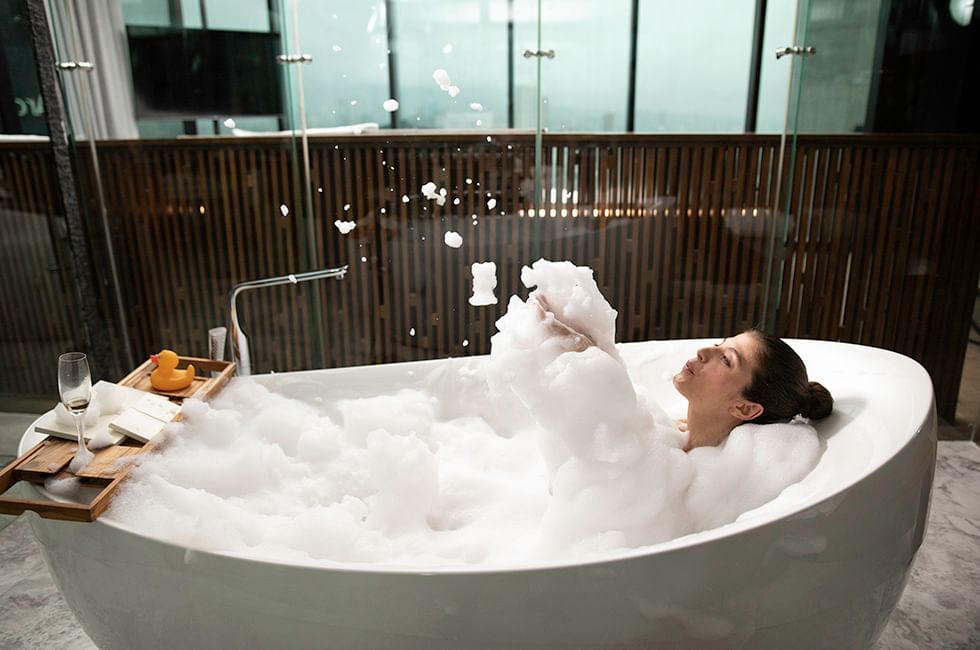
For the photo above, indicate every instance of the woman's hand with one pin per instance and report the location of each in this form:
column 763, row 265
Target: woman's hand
column 569, row 339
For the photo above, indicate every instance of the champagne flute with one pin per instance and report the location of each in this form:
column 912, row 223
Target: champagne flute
column 75, row 389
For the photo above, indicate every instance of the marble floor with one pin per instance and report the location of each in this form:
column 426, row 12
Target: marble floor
column 940, row 607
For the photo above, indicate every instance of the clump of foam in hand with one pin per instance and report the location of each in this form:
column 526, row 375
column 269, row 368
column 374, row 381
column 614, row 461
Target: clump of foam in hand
column 484, row 282
column 453, row 239
column 557, row 353
column 574, row 299
column 448, row 469
column 345, row 226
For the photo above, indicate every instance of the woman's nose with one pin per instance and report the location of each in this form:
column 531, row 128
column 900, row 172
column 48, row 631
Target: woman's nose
column 703, row 355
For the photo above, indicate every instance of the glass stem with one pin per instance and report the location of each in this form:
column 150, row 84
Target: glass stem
column 80, row 428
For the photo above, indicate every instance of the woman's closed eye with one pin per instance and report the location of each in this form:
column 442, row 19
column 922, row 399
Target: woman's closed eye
column 724, row 359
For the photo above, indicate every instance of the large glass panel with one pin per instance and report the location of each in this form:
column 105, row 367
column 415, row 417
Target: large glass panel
column 466, row 39
column 164, row 38
column 679, row 228
column 412, row 174
column 698, row 83
column 584, row 86
column 348, row 80
column 363, row 57
column 839, row 77
column 774, row 76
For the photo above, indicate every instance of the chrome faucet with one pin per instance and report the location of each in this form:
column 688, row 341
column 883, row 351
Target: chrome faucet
column 239, row 342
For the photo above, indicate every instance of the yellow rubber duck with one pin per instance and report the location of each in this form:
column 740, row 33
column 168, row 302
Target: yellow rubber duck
column 166, row 376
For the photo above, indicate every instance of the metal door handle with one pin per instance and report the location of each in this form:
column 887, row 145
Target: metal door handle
column 85, row 66
column 795, row 49
column 539, row 53
column 294, row 58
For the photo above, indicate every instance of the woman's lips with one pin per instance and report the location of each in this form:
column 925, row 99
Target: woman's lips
column 687, row 367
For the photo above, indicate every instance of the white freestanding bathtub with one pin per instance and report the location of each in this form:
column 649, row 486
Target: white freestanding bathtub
column 822, row 566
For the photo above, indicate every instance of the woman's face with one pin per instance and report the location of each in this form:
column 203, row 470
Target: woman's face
column 716, row 378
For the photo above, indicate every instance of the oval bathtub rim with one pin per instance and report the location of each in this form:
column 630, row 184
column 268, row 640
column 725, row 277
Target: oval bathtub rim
column 926, row 424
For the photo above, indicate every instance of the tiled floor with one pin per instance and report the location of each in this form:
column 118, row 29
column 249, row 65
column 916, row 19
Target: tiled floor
column 33, row 614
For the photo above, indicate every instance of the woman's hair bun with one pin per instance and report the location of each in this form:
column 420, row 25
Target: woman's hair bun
column 819, row 402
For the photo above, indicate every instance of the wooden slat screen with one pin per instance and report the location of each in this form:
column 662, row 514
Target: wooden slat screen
column 36, row 296
column 883, row 248
column 879, row 247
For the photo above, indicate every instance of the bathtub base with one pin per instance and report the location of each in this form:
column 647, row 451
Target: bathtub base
column 152, row 607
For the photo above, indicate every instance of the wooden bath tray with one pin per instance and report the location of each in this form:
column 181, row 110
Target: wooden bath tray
column 50, row 457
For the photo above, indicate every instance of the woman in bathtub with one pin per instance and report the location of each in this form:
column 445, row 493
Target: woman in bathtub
column 621, row 472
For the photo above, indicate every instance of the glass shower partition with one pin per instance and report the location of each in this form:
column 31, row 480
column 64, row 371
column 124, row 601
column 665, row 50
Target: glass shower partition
column 661, row 158
column 185, row 137
column 415, row 171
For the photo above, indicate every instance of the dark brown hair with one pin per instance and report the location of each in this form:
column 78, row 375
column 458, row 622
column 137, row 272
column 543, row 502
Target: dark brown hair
column 780, row 384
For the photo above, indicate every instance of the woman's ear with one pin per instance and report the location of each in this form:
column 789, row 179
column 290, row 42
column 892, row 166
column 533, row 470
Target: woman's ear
column 745, row 410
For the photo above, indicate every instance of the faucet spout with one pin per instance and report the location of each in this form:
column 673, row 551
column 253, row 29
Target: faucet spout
column 239, row 341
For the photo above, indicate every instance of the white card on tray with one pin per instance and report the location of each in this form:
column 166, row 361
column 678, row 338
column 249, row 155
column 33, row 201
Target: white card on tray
column 48, row 424
column 136, row 425
column 158, row 407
